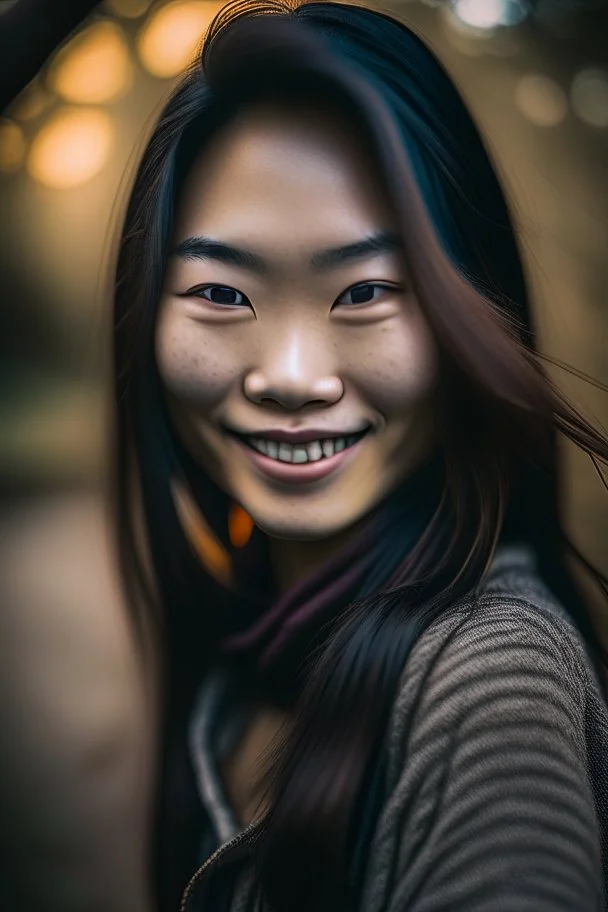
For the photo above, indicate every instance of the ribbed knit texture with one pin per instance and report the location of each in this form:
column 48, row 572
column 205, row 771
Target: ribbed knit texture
column 496, row 797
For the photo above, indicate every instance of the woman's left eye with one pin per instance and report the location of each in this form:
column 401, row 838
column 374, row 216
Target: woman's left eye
column 220, row 294
column 364, row 294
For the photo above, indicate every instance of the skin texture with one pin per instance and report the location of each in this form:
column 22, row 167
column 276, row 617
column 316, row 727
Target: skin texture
column 292, row 347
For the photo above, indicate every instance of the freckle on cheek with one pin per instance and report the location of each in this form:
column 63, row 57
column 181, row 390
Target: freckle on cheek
column 195, row 371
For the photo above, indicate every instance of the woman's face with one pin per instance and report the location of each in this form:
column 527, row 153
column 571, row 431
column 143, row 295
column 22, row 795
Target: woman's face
column 298, row 368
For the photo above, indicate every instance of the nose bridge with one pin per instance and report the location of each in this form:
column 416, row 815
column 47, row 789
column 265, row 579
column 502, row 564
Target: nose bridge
column 296, row 349
column 296, row 361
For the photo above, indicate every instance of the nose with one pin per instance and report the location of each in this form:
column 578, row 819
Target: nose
column 296, row 371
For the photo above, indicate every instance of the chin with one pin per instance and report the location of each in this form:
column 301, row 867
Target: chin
column 292, row 529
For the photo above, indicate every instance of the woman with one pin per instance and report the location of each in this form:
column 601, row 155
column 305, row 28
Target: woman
column 383, row 689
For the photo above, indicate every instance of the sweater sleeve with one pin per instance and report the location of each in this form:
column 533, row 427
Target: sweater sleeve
column 493, row 809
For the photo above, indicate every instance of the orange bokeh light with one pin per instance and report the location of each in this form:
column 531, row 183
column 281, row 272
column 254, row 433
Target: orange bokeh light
column 206, row 545
column 71, row 148
column 94, row 67
column 170, row 39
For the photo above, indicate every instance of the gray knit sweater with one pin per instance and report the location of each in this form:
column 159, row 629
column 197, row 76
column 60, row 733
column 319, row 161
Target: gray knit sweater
column 496, row 794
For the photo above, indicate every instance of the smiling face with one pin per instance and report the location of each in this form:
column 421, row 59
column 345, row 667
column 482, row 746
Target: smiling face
column 286, row 322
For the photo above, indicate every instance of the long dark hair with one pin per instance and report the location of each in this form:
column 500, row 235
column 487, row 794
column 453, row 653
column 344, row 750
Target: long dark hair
column 501, row 413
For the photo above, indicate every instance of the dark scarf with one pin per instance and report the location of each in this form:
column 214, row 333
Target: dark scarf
column 275, row 634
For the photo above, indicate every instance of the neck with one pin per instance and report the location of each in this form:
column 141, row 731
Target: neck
column 293, row 561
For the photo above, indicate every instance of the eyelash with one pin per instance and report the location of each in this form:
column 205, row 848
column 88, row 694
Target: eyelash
column 198, row 292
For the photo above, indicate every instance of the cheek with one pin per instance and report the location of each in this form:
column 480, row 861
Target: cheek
column 195, row 367
column 397, row 368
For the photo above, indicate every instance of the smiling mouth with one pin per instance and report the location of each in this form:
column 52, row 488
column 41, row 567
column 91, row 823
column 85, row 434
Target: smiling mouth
column 301, row 453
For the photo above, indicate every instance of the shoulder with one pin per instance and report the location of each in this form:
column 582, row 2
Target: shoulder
column 511, row 648
column 491, row 794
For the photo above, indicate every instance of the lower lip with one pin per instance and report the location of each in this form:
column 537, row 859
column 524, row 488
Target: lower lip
column 300, row 473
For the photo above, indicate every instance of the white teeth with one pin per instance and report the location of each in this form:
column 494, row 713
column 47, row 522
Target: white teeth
column 314, row 451
column 328, row 447
column 260, row 444
column 302, row 453
column 285, row 452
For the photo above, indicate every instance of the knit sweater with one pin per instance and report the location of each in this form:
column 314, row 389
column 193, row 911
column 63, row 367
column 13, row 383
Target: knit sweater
column 495, row 795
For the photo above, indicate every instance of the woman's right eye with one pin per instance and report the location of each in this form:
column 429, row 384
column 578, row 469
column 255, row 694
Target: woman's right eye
column 220, row 294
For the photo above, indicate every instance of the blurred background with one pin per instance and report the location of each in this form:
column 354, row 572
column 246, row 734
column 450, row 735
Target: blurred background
column 535, row 74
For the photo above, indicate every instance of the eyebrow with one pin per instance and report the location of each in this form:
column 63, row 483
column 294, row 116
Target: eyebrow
column 383, row 242
column 202, row 248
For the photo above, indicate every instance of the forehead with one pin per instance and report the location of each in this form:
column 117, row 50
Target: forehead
column 284, row 179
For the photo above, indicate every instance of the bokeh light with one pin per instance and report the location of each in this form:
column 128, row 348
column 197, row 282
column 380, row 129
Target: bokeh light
column 12, row 146
column 541, row 100
column 169, row 40
column 488, row 14
column 589, row 96
column 94, row 67
column 71, row 148
column 31, row 102
column 128, row 9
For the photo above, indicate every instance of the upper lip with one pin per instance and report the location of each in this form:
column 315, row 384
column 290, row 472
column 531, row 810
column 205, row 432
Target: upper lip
column 305, row 435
